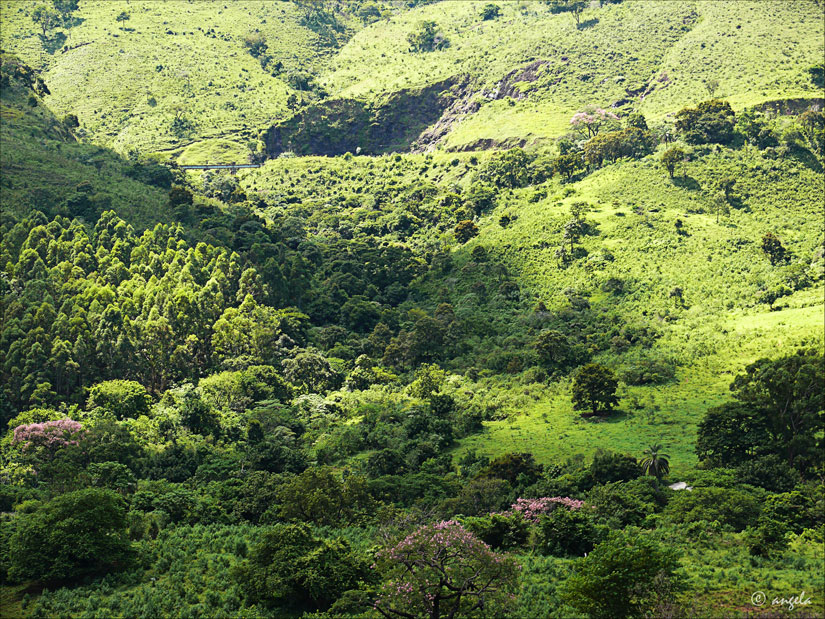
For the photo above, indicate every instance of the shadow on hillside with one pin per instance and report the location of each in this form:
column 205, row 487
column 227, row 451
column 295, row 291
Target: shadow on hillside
column 806, row 158
column 616, row 416
column 686, row 182
column 51, row 45
column 589, row 23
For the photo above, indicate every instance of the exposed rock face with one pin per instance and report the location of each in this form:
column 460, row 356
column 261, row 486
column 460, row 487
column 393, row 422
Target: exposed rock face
column 789, row 107
column 408, row 120
column 339, row 126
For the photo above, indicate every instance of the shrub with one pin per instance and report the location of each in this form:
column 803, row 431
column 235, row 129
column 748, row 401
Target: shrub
column 125, row 399
column 568, row 533
column 711, row 121
column 619, row 578
column 504, row 531
column 427, row 38
column 72, row 536
column 733, row 508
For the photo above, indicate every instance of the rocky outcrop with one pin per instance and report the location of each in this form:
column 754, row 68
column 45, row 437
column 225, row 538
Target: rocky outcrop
column 338, row 126
column 790, row 107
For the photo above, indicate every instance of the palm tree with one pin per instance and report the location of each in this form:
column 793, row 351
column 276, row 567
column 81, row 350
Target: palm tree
column 655, row 463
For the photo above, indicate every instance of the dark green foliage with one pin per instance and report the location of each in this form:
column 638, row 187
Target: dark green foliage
column 672, row 158
column 648, row 371
column 480, row 198
column 427, row 38
column 508, row 169
column 733, row 508
column 499, row 530
column 621, row 578
column 770, row 472
column 553, row 349
column 709, row 122
column 490, row 11
column 594, row 390
column 465, row 230
column 768, row 539
column 515, row 468
column 797, row 509
column 290, row 568
column 72, row 536
column 569, row 164
column 611, row 146
column 773, row 248
column 756, row 129
column 619, row 504
column 152, row 174
column 568, row 532
column 729, row 434
column 610, row 466
column 817, row 73
column 318, row 495
column 125, row 399
column 785, row 395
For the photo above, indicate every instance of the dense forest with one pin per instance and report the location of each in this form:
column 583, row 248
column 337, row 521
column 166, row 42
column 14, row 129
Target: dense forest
column 521, row 314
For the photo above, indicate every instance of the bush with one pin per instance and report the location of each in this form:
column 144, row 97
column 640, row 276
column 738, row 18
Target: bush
column 648, row 371
column 733, row 508
column 289, row 567
column 126, row 399
column 709, row 122
column 427, row 38
column 74, row 535
column 568, row 533
column 619, row 578
column 490, row 11
column 503, row 531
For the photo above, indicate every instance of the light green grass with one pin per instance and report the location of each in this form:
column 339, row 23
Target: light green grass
column 213, row 151
column 633, row 46
column 208, row 77
column 41, row 166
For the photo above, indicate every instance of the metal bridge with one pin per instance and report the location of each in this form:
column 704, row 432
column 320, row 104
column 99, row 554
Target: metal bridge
column 221, row 166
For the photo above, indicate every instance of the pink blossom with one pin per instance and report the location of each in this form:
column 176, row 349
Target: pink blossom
column 49, row 434
column 531, row 509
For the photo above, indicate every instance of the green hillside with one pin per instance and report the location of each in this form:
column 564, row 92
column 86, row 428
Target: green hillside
column 520, row 313
column 128, row 80
column 661, row 54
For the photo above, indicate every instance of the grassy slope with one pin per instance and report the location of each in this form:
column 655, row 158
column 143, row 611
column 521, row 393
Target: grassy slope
column 720, row 267
column 41, row 164
column 756, row 50
column 208, row 77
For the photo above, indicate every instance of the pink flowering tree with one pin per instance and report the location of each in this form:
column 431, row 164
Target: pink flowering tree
column 443, row 570
column 47, row 437
column 48, row 452
column 591, row 119
column 532, row 509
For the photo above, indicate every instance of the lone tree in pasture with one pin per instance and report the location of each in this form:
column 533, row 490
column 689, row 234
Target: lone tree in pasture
column 594, row 390
column 671, row 158
column 490, row 11
column 773, row 248
column 576, row 8
column 46, row 17
column 65, row 8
